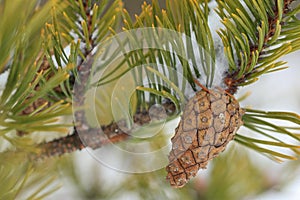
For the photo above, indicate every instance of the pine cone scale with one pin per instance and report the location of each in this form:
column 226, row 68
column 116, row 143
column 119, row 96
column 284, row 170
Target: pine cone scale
column 209, row 122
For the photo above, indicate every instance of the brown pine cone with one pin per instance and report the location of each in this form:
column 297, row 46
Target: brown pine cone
column 209, row 121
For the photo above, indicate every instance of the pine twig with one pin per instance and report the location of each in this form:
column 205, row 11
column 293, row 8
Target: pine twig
column 86, row 136
column 90, row 42
column 231, row 80
column 95, row 138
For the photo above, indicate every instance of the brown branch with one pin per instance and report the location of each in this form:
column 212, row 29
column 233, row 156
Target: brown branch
column 83, row 135
column 95, row 138
column 86, row 136
column 231, row 80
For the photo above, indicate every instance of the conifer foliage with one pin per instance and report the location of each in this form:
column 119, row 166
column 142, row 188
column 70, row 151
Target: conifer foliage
column 48, row 49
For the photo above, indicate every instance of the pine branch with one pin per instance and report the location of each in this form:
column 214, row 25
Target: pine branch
column 93, row 138
column 40, row 77
column 255, row 55
column 89, row 22
column 25, row 86
column 254, row 42
column 271, row 23
column 84, row 135
column 89, row 29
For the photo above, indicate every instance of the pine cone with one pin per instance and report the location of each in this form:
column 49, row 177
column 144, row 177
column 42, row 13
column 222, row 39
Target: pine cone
column 209, row 121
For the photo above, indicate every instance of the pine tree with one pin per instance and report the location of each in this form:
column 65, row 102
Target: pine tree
column 85, row 74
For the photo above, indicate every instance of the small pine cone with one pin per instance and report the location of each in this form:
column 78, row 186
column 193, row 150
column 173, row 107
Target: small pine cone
column 209, row 122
